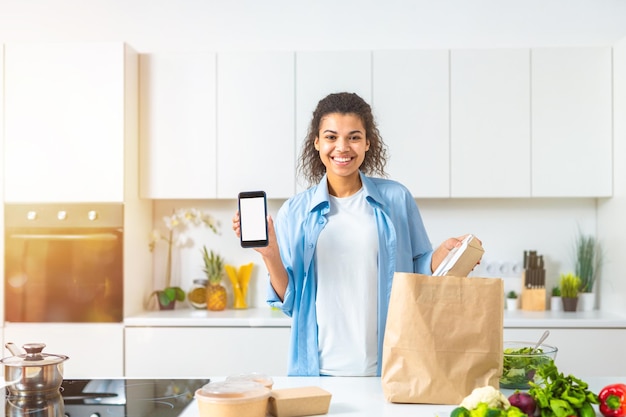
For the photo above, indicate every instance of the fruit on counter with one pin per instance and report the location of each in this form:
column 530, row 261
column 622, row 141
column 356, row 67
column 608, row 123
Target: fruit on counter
column 613, row 400
column 197, row 294
column 214, row 270
column 557, row 395
column 524, row 402
column 240, row 279
column 486, row 402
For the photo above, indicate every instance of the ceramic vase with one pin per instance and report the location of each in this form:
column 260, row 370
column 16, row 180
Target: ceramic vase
column 511, row 304
column 569, row 303
column 556, row 303
column 586, row 301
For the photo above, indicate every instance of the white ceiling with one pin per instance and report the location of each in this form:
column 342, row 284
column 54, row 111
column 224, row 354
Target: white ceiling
column 151, row 25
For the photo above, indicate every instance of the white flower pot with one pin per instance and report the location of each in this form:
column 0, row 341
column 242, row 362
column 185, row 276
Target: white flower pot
column 586, row 301
column 511, row 304
column 556, row 303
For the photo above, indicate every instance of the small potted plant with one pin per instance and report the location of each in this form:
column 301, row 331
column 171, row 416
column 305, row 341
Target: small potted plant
column 588, row 256
column 511, row 301
column 569, row 285
column 556, row 303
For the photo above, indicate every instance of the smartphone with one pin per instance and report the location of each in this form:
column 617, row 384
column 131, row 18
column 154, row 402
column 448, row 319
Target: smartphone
column 253, row 219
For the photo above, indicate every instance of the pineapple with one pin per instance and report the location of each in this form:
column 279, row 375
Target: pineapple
column 215, row 292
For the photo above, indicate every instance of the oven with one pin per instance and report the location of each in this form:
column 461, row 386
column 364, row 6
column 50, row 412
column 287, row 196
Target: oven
column 63, row 262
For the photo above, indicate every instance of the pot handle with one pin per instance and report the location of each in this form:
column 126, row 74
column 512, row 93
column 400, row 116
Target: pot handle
column 14, row 349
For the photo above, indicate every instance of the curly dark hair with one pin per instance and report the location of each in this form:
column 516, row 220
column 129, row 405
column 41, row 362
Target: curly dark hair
column 310, row 165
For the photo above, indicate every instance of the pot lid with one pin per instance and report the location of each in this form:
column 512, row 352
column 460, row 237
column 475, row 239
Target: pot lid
column 33, row 356
column 232, row 391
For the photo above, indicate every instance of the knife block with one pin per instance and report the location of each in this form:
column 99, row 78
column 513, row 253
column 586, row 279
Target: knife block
column 533, row 299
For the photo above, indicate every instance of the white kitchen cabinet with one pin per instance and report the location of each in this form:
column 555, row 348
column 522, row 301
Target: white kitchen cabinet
column 1, row 186
column 490, row 123
column 581, row 351
column 174, row 352
column 572, row 122
column 411, row 105
column 178, row 126
column 319, row 73
column 255, row 123
column 95, row 350
column 66, row 120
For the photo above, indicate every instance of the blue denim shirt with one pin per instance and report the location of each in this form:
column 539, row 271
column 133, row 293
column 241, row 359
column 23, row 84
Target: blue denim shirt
column 403, row 246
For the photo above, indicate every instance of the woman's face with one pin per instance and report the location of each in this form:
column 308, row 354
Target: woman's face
column 342, row 143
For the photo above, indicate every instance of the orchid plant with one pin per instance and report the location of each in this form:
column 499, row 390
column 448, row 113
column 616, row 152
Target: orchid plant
column 178, row 225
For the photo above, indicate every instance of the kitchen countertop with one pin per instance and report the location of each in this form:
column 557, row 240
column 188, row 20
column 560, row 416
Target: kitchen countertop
column 251, row 317
column 363, row 396
column 268, row 317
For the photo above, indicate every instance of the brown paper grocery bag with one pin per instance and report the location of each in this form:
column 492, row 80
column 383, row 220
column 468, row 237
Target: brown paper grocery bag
column 443, row 338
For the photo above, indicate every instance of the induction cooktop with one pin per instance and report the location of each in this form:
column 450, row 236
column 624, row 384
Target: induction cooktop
column 110, row 398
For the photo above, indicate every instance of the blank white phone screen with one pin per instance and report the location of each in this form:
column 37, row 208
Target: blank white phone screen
column 252, row 218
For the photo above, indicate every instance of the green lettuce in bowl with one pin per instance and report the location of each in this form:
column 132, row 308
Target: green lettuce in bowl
column 520, row 363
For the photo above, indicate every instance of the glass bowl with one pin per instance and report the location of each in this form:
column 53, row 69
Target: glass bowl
column 520, row 363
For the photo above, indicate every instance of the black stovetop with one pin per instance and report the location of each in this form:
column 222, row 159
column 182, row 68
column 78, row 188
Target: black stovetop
column 110, row 398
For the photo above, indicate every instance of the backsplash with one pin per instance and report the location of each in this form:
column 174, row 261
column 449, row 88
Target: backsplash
column 507, row 227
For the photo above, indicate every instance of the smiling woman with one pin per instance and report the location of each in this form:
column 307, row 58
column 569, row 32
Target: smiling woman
column 349, row 213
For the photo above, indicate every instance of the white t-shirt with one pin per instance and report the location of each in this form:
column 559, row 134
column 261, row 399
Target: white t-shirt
column 347, row 289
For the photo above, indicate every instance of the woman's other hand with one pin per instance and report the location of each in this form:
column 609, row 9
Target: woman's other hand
column 444, row 249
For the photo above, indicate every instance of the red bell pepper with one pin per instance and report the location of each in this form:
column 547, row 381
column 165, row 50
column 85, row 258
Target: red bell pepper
column 613, row 400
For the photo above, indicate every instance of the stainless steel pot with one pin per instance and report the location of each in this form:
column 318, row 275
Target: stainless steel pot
column 31, row 372
column 35, row 406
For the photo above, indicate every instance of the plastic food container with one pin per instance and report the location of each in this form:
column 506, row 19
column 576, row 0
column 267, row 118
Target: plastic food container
column 263, row 379
column 232, row 399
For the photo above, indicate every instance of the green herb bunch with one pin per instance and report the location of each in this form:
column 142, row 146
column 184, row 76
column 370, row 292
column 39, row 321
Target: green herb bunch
column 557, row 395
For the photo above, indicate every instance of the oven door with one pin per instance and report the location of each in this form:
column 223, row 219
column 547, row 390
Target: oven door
column 63, row 274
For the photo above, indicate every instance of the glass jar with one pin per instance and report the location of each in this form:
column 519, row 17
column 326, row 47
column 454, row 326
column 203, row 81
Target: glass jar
column 197, row 293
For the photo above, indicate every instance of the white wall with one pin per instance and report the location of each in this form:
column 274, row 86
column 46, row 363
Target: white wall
column 507, row 227
column 612, row 212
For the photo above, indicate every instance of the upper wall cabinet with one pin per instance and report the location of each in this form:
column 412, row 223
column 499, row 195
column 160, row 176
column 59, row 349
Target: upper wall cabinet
column 319, row 73
column 66, row 119
column 255, row 123
column 178, row 126
column 490, row 123
column 411, row 104
column 572, row 122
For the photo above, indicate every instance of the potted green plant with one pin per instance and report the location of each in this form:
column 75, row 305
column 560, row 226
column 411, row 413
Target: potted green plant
column 177, row 224
column 588, row 256
column 511, row 300
column 569, row 285
column 556, row 303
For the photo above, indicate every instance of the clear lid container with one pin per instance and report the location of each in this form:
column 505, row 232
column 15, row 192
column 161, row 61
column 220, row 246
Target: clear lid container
column 232, row 391
column 263, row 379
